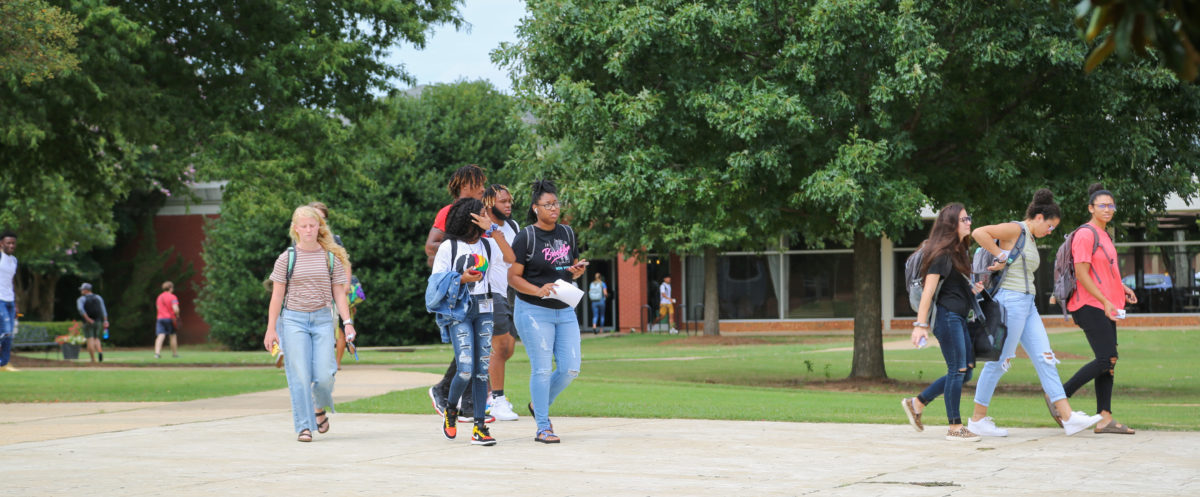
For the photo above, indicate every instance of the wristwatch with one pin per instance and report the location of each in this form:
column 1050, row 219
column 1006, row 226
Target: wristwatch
column 348, row 322
column 919, row 324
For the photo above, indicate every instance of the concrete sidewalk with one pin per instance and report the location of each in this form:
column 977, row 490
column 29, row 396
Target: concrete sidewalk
column 243, row 445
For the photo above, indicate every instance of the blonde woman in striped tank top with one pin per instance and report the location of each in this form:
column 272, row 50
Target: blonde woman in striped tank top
column 1016, row 293
column 300, row 322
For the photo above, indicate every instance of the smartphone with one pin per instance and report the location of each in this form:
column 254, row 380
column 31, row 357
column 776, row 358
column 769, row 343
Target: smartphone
column 922, row 343
column 473, row 272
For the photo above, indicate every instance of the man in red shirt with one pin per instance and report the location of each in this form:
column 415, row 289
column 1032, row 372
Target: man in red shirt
column 168, row 320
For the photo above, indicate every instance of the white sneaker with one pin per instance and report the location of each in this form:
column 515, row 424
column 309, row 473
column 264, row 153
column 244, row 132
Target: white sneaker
column 986, row 427
column 674, row 331
column 1079, row 421
column 503, row 410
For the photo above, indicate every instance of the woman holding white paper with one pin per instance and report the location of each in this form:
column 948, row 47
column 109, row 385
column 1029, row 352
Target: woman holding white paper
column 546, row 252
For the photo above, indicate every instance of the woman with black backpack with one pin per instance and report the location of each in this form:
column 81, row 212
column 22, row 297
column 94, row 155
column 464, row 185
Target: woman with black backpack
column 1015, row 291
column 947, row 286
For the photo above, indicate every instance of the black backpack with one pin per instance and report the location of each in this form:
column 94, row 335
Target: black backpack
column 92, row 306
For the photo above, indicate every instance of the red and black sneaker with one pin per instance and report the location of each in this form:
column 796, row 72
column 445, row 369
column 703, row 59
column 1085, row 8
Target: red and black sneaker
column 480, row 436
column 449, row 422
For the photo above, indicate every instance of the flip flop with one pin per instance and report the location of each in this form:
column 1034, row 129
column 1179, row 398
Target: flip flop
column 1115, row 427
column 1053, row 410
column 323, row 426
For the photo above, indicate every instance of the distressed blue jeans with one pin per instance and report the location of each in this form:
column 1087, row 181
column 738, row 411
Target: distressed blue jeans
column 472, row 340
column 550, row 336
column 307, row 341
column 8, row 315
column 1025, row 328
column 951, row 331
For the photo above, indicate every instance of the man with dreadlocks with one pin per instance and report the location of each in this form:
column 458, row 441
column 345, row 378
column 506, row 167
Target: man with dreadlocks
column 467, row 182
column 499, row 203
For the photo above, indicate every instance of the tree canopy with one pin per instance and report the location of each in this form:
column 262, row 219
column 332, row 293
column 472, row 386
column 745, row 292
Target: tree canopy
column 689, row 126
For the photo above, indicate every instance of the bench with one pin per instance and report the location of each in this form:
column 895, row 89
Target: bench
column 34, row 336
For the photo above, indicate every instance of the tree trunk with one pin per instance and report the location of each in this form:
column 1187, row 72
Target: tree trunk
column 868, row 311
column 712, row 306
column 35, row 294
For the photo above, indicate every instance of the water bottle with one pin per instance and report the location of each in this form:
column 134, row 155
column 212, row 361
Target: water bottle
column 106, row 333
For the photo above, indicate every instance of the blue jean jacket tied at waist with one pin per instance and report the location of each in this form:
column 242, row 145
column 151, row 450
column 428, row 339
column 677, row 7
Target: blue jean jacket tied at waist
column 449, row 299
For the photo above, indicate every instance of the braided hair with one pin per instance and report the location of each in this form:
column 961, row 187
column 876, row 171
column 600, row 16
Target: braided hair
column 459, row 223
column 489, row 199
column 468, row 175
column 540, row 187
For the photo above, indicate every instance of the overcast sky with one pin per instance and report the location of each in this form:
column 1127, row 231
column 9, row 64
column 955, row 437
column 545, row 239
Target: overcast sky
column 451, row 55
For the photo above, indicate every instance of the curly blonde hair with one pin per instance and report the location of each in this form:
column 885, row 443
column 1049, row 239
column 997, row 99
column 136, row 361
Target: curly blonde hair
column 324, row 237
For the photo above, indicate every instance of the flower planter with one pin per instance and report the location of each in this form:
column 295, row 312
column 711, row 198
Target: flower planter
column 70, row 351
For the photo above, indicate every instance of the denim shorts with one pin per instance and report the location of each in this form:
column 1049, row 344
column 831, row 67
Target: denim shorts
column 164, row 326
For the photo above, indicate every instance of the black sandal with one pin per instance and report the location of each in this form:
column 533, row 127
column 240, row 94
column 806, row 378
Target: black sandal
column 304, row 436
column 323, row 426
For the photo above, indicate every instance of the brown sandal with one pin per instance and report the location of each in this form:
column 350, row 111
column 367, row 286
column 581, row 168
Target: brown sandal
column 1115, row 427
column 304, row 436
column 323, row 426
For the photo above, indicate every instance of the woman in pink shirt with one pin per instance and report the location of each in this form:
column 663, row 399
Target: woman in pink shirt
column 1098, row 301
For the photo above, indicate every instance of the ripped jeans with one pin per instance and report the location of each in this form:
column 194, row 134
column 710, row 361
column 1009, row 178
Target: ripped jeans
column 951, row 331
column 1024, row 327
column 472, row 340
column 549, row 335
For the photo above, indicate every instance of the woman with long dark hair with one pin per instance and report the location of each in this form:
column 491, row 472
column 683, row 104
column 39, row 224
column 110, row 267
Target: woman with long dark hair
column 944, row 262
column 1098, row 302
column 546, row 252
column 1016, row 292
column 473, row 259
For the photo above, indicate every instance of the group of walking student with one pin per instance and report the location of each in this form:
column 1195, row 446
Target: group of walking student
column 490, row 278
column 480, row 258
column 948, row 295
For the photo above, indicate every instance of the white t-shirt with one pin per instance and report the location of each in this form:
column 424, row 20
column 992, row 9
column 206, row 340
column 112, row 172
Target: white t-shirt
column 442, row 262
column 664, row 293
column 8, row 269
column 500, row 276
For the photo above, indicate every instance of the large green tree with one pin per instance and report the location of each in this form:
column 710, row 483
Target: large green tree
column 165, row 86
column 383, row 178
column 699, row 126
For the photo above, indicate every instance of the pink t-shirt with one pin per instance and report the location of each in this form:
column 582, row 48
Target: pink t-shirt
column 164, row 302
column 1104, row 262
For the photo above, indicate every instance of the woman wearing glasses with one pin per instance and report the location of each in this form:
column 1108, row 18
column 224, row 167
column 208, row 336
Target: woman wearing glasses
column 1016, row 292
column 1099, row 300
column 546, row 252
column 945, row 264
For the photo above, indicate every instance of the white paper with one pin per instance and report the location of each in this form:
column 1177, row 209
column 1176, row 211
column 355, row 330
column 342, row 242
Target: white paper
column 566, row 292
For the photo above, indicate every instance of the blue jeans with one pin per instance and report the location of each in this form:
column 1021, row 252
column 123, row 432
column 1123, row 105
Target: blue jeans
column 548, row 334
column 473, row 350
column 8, row 315
column 1024, row 327
column 598, row 312
column 951, row 332
column 306, row 339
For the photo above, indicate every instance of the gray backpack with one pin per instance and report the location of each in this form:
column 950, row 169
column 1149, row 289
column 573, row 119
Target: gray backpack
column 992, row 279
column 1065, row 282
column 914, row 281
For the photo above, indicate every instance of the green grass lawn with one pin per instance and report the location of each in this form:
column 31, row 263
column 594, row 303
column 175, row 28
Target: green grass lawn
column 658, row 376
column 798, row 379
column 124, row 385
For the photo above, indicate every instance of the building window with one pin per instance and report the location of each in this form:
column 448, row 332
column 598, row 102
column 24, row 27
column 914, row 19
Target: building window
column 747, row 286
column 820, row 286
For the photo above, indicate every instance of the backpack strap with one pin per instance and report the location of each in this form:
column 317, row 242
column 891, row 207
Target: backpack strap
column 531, row 240
column 291, row 266
column 512, row 224
column 1096, row 245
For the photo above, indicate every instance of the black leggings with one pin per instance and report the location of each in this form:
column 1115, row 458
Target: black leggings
column 1101, row 334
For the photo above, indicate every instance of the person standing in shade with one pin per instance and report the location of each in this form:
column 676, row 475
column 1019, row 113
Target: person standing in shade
column 167, row 323
column 306, row 279
column 8, row 298
column 666, row 304
column 1098, row 302
column 598, row 293
column 499, row 203
column 95, row 317
column 546, row 252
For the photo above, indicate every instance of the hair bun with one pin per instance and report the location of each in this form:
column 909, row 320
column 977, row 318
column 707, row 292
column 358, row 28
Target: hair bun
column 1095, row 188
column 1043, row 196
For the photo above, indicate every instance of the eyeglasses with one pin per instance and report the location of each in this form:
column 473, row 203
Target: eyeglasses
column 965, row 219
column 1107, row 207
column 552, row 205
column 1050, row 229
